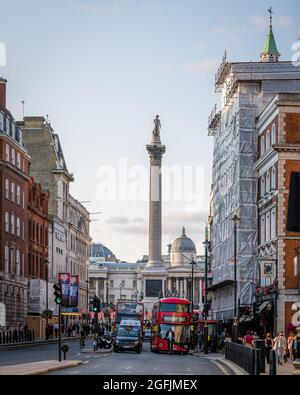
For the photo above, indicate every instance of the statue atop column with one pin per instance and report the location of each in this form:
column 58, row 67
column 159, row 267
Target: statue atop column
column 156, row 130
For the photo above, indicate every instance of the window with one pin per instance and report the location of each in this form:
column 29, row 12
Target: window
column 6, row 259
column 273, row 182
column 268, row 140
column 18, row 195
column 7, row 189
column 18, row 227
column 7, row 157
column 24, row 166
column 122, row 283
column 18, row 263
column 262, row 187
column 12, row 224
column 18, row 160
column 7, row 123
column 268, row 183
column 273, row 134
column 296, row 266
column 6, row 222
column 23, row 200
column 134, row 284
column 12, row 192
column 268, row 228
column 262, row 145
column 12, row 261
column 111, row 283
column 13, row 156
column 262, row 230
column 273, row 224
column 23, row 231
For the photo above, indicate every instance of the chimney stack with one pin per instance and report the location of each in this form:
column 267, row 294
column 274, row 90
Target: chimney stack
column 3, row 92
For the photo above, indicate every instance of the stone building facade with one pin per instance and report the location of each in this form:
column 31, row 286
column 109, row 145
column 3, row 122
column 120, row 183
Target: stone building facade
column 13, row 219
column 79, row 241
column 279, row 219
column 48, row 167
column 246, row 89
column 112, row 281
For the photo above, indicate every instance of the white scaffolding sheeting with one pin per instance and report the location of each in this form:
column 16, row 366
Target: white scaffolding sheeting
column 245, row 92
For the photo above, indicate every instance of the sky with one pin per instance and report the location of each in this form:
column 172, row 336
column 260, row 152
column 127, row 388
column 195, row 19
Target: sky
column 101, row 70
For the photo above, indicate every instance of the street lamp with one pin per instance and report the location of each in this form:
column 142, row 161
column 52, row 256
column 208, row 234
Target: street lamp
column 235, row 219
column 47, row 297
column 205, row 334
column 87, row 294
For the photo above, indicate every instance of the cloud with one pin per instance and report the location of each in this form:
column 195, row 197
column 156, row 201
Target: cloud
column 261, row 22
column 123, row 220
column 173, row 222
column 203, row 66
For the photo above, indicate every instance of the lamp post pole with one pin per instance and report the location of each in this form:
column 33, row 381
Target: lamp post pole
column 192, row 285
column 235, row 320
column 87, row 295
column 205, row 334
column 47, row 298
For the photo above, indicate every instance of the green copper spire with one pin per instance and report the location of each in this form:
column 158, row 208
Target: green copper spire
column 270, row 52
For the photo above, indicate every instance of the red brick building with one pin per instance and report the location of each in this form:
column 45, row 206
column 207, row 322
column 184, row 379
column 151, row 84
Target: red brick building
column 13, row 219
column 38, row 223
column 278, row 168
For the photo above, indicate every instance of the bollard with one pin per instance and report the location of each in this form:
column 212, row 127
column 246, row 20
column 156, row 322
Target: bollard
column 272, row 371
column 65, row 349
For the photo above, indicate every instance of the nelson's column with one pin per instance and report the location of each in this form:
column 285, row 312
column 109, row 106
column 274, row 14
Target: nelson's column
column 155, row 272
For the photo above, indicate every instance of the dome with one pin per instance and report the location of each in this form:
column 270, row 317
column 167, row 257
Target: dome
column 100, row 251
column 183, row 244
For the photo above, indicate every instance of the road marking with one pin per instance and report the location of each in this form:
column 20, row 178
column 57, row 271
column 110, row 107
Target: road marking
column 224, row 371
column 86, row 361
column 78, row 353
column 96, row 366
column 77, row 371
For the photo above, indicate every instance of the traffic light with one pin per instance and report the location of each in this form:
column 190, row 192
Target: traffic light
column 95, row 305
column 57, row 293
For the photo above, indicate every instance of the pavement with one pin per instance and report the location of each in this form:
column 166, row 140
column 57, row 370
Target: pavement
column 228, row 367
column 36, row 368
column 286, row 369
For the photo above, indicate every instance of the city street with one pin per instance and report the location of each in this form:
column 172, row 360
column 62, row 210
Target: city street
column 128, row 363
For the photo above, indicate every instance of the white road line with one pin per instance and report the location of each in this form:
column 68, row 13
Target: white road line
column 224, row 371
column 86, row 361
column 77, row 371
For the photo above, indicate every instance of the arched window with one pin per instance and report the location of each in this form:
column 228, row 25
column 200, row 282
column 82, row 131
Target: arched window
column 273, row 183
column 262, row 145
column 273, row 224
column 274, row 134
column 268, row 183
column 262, row 230
column 262, row 187
column 268, row 140
column 268, row 227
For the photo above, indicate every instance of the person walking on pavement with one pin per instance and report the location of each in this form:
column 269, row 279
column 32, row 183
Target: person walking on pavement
column 269, row 345
column 170, row 335
column 248, row 339
column 280, row 344
column 55, row 326
column 292, row 346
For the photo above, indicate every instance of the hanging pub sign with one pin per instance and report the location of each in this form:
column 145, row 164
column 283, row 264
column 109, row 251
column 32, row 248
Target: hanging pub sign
column 64, row 279
column 74, row 291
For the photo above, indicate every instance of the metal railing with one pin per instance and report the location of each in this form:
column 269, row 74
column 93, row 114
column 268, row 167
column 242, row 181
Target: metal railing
column 15, row 336
column 247, row 358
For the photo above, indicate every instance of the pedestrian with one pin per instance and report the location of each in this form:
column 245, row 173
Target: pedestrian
column 269, row 343
column 248, row 340
column 56, row 327
column 170, row 336
column 279, row 347
column 69, row 330
column 95, row 343
column 74, row 330
column 292, row 346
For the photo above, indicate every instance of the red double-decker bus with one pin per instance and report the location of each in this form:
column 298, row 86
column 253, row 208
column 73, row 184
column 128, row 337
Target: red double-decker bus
column 171, row 313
